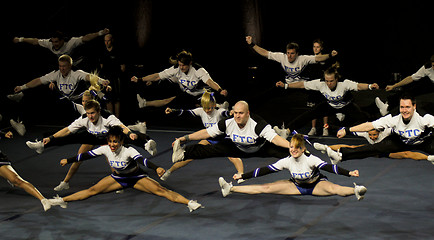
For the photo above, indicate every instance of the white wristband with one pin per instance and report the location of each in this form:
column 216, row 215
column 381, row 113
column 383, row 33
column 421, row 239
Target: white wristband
column 21, row 39
column 370, row 86
column 23, row 87
column 100, row 32
column 286, row 85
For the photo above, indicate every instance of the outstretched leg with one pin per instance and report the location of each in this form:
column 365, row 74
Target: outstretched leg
column 151, row 186
column 284, row 187
column 105, row 185
column 12, row 176
column 326, row 188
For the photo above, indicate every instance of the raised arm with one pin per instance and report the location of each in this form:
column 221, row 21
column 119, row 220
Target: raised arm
column 33, row 41
column 366, row 86
column 290, row 85
column 364, row 127
column 323, row 57
column 280, row 141
column 34, row 83
column 150, row 78
column 255, row 47
column 217, row 87
column 90, row 36
column 199, row 135
column 62, row 133
column 401, row 83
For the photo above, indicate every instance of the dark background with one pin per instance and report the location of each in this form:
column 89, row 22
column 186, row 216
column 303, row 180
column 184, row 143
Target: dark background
column 374, row 39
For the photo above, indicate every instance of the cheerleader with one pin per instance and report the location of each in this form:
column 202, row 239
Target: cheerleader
column 127, row 173
column 9, row 173
column 306, row 178
column 210, row 116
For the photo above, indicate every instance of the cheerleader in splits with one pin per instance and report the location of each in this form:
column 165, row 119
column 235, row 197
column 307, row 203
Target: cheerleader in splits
column 125, row 161
column 9, row 173
column 210, row 116
column 306, row 178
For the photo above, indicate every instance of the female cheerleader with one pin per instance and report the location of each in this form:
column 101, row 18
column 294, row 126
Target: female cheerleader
column 9, row 173
column 306, row 178
column 125, row 161
column 210, row 116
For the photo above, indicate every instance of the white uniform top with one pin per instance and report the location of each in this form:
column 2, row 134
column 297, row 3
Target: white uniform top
column 123, row 160
column 411, row 133
column 209, row 120
column 248, row 139
column 67, row 47
column 187, row 82
column 303, row 169
column 381, row 135
column 294, row 69
column 335, row 98
column 66, row 85
column 424, row 72
column 99, row 129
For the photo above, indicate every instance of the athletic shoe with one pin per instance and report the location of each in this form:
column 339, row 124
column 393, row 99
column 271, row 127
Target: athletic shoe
column 381, row 106
column 240, row 181
column 166, row 175
column 62, row 186
column 359, row 191
column 16, row 96
column 194, row 205
column 224, row 105
column 142, row 101
column 320, row 147
column 58, row 201
column 225, row 186
column 139, row 127
column 431, row 158
column 325, row 132
column 151, row 147
column 46, row 204
column 178, row 152
column 284, row 133
column 120, row 191
column 18, row 126
column 340, row 116
column 335, row 157
column 38, row 146
column 312, row 132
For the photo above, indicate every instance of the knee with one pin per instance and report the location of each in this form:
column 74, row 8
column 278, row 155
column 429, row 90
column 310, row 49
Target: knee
column 16, row 181
column 266, row 188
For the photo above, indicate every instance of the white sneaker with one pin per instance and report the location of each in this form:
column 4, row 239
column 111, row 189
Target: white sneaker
column 225, row 186
column 166, row 175
column 46, row 204
column 58, row 201
column 38, row 146
column 431, row 158
column 142, row 101
column 62, row 186
column 16, row 96
column 281, row 132
column 359, row 191
column 151, row 147
column 178, row 152
column 320, row 147
column 120, row 191
column 312, row 132
column 325, row 132
column 340, row 116
column 224, row 105
column 194, row 205
column 18, row 126
column 381, row 106
column 335, row 157
column 139, row 127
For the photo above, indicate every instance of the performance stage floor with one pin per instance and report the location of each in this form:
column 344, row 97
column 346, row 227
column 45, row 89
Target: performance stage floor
column 398, row 204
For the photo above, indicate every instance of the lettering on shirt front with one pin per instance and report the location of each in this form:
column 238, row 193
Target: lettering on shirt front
column 208, row 125
column 292, row 69
column 65, row 86
column 118, row 164
column 103, row 132
column 187, row 83
column 409, row 133
column 243, row 139
column 305, row 175
column 333, row 98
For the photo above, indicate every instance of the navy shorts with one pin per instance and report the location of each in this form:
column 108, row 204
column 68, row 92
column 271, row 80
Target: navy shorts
column 307, row 189
column 130, row 179
column 4, row 160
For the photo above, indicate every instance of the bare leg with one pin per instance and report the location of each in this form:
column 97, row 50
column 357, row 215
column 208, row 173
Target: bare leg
column 179, row 165
column 409, row 154
column 284, row 187
column 151, row 186
column 238, row 163
column 10, row 174
column 75, row 166
column 105, row 185
column 326, row 188
column 159, row 103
